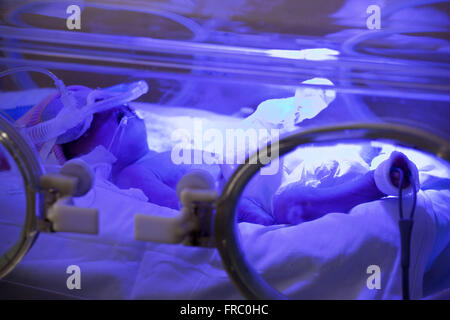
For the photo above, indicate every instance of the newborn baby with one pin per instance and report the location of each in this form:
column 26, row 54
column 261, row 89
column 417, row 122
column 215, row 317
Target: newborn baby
column 123, row 133
column 157, row 176
column 139, row 167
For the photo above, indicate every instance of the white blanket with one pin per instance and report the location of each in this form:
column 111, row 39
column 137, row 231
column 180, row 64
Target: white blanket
column 323, row 259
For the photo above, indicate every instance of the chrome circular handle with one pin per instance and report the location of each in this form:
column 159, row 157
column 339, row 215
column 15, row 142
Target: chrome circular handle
column 27, row 160
column 243, row 275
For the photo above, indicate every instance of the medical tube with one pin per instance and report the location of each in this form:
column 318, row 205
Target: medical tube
column 49, row 129
column 25, row 69
column 66, row 119
column 58, row 83
column 70, row 116
column 405, row 227
column 116, row 140
column 136, row 89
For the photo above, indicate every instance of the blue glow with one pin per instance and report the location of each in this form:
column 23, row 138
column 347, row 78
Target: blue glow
column 219, row 65
column 318, row 54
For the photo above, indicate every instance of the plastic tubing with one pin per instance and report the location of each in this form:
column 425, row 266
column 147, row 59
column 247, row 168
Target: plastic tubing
column 72, row 116
column 49, row 129
column 136, row 90
column 29, row 68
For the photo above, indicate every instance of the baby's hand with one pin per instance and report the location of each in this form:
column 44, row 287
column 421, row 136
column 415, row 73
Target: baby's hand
column 289, row 207
column 249, row 211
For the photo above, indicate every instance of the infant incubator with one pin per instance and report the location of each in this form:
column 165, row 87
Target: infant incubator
column 224, row 149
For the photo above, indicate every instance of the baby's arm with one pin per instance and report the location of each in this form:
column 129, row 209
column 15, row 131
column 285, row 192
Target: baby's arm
column 142, row 177
column 297, row 203
column 157, row 176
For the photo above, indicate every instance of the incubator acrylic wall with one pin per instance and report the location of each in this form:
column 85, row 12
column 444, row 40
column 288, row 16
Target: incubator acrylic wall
column 387, row 60
column 211, row 66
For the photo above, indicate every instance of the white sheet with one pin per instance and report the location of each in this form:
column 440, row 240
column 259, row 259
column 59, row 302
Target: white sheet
column 324, row 259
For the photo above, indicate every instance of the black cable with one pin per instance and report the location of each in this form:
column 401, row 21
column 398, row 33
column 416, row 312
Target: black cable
column 405, row 226
column 400, row 187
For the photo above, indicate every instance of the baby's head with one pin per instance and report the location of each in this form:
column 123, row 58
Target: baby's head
column 119, row 130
